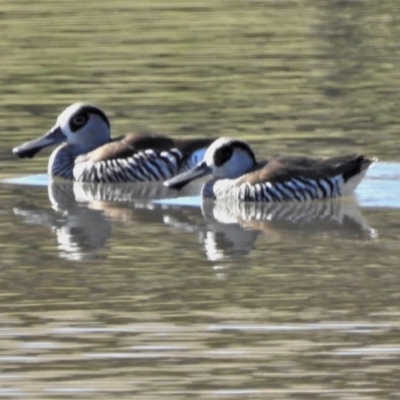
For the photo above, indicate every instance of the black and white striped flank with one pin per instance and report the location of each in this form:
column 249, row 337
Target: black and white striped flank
column 149, row 165
column 296, row 189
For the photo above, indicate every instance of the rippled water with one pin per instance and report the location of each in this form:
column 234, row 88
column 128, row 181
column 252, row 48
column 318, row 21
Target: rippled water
column 138, row 291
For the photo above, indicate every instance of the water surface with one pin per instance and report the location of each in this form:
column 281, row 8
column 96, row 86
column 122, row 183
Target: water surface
column 108, row 294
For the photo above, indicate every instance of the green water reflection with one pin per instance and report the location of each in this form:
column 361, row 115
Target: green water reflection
column 145, row 311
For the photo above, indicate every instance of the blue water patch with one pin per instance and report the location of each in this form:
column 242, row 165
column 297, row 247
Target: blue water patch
column 384, row 170
column 379, row 193
column 381, row 186
column 189, row 201
column 30, row 180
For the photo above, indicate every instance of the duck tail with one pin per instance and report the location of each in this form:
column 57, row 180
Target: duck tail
column 356, row 173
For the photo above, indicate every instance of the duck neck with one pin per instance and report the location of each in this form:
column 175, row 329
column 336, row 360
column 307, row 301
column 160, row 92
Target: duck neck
column 61, row 162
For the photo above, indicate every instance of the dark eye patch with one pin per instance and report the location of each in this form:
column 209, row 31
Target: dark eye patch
column 78, row 120
column 222, row 155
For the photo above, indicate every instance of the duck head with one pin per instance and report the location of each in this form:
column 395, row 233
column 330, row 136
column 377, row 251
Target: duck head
column 84, row 127
column 226, row 158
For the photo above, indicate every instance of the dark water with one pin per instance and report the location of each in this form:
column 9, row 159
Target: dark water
column 108, row 294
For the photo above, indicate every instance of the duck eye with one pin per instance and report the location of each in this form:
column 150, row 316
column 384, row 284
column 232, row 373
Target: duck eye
column 78, row 121
column 222, row 155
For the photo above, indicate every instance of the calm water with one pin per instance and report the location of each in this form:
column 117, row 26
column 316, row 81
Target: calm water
column 107, row 293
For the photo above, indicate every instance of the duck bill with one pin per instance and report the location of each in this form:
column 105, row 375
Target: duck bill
column 181, row 180
column 29, row 149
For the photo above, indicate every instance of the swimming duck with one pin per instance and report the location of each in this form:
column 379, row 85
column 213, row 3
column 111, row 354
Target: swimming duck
column 237, row 176
column 88, row 153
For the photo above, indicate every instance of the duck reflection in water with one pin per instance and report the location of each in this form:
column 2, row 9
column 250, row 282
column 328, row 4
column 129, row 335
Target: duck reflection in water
column 79, row 231
column 82, row 214
column 82, row 217
column 234, row 227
